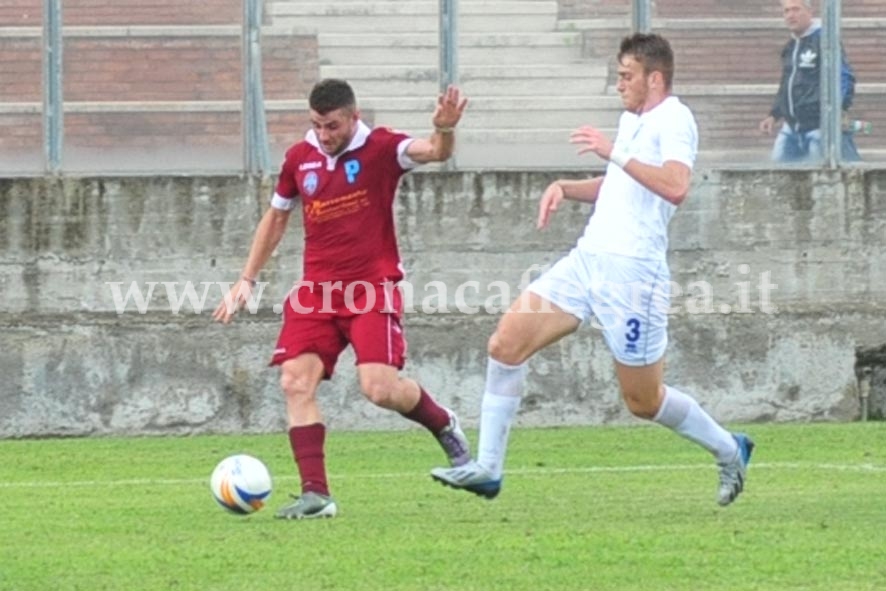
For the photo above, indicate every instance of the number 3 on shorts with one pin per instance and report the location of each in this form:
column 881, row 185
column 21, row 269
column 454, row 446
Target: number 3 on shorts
column 633, row 334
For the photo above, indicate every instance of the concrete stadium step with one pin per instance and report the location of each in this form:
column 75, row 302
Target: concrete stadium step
column 518, row 149
column 543, row 135
column 414, row 15
column 506, row 102
column 488, row 153
column 503, row 113
column 474, row 48
column 588, row 78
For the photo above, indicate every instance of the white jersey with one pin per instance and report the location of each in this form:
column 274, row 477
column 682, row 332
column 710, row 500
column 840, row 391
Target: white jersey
column 629, row 219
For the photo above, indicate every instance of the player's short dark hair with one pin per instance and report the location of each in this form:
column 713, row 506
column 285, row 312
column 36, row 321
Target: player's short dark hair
column 652, row 51
column 331, row 94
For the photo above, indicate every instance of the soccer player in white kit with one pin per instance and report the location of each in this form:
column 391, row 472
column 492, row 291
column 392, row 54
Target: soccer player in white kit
column 617, row 272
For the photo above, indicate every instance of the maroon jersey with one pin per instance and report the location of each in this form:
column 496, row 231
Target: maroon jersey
column 348, row 205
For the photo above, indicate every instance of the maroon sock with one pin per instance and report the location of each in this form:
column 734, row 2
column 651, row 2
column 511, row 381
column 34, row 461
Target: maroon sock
column 307, row 448
column 428, row 413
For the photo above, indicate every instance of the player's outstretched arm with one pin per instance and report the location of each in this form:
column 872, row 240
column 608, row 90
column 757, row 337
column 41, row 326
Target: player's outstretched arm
column 268, row 234
column 441, row 144
column 585, row 190
column 670, row 181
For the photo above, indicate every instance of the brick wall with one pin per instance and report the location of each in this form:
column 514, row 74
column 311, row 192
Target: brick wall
column 865, row 50
column 717, row 8
column 135, row 68
column 727, row 56
column 208, row 68
column 21, row 12
column 582, row 9
column 155, row 69
column 180, row 69
column 20, row 63
column 706, row 57
column 731, row 121
column 21, row 131
column 864, row 8
column 193, row 129
column 128, row 69
column 290, row 65
column 126, row 12
column 286, row 128
column 148, row 130
column 732, row 56
column 143, row 129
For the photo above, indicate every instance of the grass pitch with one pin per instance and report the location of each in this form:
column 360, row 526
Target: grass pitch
column 581, row 508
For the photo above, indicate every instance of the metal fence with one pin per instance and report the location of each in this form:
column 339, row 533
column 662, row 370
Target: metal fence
column 155, row 86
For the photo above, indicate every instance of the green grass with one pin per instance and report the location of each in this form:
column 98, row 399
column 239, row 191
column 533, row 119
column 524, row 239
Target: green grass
column 585, row 509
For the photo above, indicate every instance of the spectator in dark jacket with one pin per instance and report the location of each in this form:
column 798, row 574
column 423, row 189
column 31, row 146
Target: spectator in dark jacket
column 798, row 102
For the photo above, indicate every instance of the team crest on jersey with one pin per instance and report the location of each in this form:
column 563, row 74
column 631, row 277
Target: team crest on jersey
column 309, row 184
column 352, row 169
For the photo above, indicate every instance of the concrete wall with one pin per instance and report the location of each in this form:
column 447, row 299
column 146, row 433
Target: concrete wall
column 72, row 365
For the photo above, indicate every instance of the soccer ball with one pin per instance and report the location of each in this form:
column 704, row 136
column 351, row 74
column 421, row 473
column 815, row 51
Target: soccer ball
column 241, row 484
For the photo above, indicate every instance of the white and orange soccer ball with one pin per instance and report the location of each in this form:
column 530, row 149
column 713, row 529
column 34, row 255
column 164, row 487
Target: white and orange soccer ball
column 241, row 484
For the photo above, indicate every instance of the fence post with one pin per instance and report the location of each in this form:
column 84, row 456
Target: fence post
column 641, row 16
column 254, row 129
column 53, row 102
column 831, row 94
column 448, row 54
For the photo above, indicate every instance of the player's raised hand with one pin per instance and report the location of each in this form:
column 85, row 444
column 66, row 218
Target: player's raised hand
column 233, row 302
column 450, row 106
column 591, row 139
column 550, row 201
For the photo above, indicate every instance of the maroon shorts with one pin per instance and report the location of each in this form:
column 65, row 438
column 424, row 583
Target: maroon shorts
column 367, row 316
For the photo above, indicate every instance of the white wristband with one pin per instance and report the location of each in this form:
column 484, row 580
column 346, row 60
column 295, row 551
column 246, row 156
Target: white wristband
column 619, row 157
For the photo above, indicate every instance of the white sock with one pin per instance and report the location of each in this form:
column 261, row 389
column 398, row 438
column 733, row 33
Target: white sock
column 504, row 391
column 682, row 414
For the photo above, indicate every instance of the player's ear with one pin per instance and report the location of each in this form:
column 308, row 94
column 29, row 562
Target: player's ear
column 656, row 79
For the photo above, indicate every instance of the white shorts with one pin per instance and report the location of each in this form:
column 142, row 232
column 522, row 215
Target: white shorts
column 628, row 297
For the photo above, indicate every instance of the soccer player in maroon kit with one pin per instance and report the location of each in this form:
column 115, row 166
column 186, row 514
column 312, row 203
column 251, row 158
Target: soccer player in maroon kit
column 344, row 176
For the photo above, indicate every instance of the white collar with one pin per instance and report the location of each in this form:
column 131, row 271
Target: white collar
column 357, row 141
column 815, row 26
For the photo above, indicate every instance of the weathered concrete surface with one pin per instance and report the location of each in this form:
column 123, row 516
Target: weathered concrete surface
column 73, row 365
